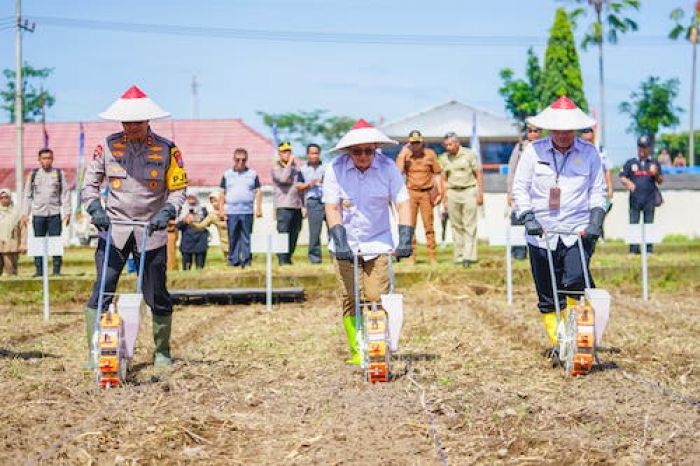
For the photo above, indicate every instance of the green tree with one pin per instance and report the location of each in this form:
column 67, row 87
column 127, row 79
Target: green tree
column 608, row 24
column 651, row 107
column 562, row 73
column 688, row 31
column 35, row 97
column 306, row 127
column 522, row 95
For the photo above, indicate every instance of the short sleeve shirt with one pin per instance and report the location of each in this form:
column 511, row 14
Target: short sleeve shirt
column 460, row 168
column 364, row 200
column 239, row 189
column 641, row 173
column 419, row 169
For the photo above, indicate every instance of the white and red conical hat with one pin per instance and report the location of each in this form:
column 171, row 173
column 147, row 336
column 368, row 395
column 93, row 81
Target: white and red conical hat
column 362, row 132
column 134, row 105
column 562, row 115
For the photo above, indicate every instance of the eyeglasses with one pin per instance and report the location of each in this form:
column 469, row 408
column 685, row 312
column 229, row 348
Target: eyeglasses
column 357, row 151
column 236, row 159
column 534, row 130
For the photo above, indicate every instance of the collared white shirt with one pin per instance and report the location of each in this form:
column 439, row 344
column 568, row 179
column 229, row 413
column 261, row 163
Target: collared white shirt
column 580, row 180
column 364, row 200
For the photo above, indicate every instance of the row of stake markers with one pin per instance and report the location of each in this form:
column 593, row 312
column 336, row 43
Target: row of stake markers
column 51, row 246
column 514, row 235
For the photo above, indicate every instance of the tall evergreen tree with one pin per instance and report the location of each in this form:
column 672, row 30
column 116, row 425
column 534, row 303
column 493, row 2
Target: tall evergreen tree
column 562, row 72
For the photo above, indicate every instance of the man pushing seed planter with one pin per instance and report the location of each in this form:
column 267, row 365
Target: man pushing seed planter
column 147, row 181
column 559, row 187
column 358, row 189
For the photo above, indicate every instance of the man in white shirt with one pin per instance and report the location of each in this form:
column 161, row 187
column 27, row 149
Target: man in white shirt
column 559, row 185
column 359, row 187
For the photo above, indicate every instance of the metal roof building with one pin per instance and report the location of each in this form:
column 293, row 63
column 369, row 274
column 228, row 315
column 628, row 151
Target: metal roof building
column 207, row 147
column 497, row 134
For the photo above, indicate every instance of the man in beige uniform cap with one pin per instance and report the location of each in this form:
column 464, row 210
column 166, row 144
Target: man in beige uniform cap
column 147, row 183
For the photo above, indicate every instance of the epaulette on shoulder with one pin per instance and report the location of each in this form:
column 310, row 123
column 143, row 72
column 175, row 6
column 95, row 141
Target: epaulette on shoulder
column 540, row 142
column 114, row 137
column 161, row 140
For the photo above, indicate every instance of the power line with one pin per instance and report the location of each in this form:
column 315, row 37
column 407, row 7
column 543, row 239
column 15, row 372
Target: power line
column 448, row 40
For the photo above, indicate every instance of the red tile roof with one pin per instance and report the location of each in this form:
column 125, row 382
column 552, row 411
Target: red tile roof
column 207, row 147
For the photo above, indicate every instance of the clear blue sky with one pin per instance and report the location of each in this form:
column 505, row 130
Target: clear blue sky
column 239, row 76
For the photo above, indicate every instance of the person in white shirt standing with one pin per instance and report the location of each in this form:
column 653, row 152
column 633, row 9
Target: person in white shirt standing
column 559, row 185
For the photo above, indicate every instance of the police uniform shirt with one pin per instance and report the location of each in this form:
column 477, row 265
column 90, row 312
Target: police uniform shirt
column 41, row 198
column 640, row 173
column 141, row 178
column 580, row 179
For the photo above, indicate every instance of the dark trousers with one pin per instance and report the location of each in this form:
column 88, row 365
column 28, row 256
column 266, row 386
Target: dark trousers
column 240, row 227
column 316, row 214
column 517, row 252
column 47, row 226
column 154, row 291
column 635, row 213
column 567, row 271
column 199, row 259
column 288, row 221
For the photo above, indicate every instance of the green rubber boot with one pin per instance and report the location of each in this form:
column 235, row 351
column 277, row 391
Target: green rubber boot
column 161, row 337
column 351, row 332
column 90, row 316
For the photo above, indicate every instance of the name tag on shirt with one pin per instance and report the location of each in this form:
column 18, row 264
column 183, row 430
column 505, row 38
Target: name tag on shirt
column 554, row 198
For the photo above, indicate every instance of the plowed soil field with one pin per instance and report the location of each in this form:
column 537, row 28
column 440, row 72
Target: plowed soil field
column 254, row 387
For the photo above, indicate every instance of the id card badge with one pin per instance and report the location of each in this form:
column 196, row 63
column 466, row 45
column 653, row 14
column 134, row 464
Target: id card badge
column 554, row 198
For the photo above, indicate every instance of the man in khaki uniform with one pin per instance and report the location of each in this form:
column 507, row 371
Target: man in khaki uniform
column 422, row 169
column 147, row 182
column 461, row 173
column 47, row 199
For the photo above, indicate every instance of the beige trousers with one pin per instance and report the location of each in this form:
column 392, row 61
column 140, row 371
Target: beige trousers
column 8, row 263
column 461, row 207
column 420, row 201
column 374, row 281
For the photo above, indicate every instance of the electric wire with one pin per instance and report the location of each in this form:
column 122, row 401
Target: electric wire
column 320, row 37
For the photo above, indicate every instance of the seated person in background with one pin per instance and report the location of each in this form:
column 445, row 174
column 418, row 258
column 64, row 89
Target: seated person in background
column 664, row 158
column 194, row 241
column 679, row 160
column 214, row 218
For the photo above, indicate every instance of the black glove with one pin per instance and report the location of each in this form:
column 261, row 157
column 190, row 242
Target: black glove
column 160, row 220
column 532, row 226
column 405, row 249
column 340, row 241
column 99, row 216
column 595, row 224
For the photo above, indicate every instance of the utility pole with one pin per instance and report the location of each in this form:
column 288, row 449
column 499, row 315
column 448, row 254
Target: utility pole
column 195, row 101
column 19, row 100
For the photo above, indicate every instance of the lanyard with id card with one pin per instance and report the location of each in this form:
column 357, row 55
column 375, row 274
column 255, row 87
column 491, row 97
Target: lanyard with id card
column 555, row 191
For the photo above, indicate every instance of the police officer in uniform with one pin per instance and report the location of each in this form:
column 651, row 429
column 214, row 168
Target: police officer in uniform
column 47, row 199
column 641, row 176
column 147, row 182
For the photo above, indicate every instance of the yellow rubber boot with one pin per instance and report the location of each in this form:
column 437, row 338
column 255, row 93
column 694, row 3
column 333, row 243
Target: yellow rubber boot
column 550, row 325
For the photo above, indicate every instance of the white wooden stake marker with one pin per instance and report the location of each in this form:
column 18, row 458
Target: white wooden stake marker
column 268, row 244
column 44, row 247
column 508, row 236
column 643, row 234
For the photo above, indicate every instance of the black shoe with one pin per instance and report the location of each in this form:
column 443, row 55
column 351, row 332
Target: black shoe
column 37, row 274
column 466, row 263
column 553, row 354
